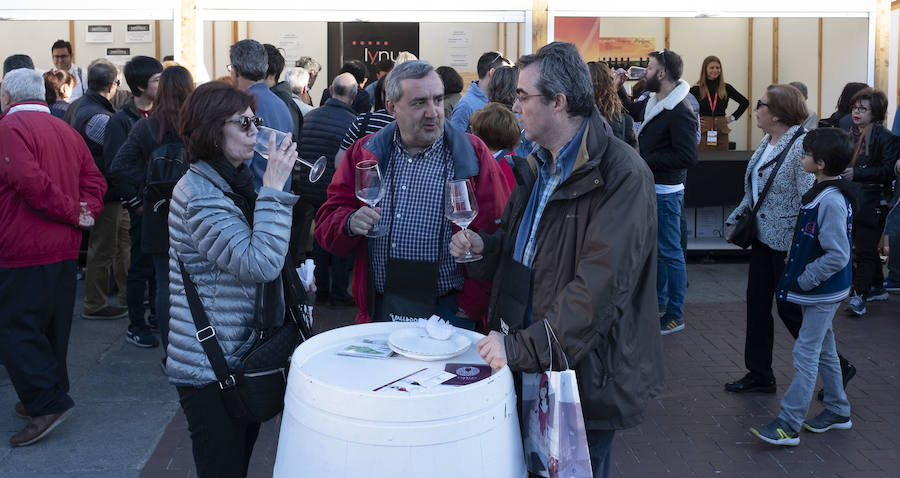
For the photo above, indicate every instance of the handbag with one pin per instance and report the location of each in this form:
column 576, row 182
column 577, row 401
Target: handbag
column 745, row 231
column 555, row 441
column 254, row 390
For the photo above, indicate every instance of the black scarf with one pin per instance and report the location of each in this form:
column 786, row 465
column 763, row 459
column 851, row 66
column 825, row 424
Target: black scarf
column 240, row 179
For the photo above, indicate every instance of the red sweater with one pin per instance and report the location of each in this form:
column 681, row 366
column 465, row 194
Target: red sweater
column 45, row 171
column 491, row 192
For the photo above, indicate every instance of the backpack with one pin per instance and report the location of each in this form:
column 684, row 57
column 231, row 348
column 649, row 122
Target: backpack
column 166, row 166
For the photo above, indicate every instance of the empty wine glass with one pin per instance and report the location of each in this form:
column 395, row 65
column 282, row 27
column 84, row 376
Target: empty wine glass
column 461, row 209
column 370, row 189
column 262, row 147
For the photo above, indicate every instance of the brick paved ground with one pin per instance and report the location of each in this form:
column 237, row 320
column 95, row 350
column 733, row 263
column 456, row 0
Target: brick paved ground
column 694, row 428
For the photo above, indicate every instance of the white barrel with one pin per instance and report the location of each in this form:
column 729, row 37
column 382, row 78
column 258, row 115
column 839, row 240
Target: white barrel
column 335, row 425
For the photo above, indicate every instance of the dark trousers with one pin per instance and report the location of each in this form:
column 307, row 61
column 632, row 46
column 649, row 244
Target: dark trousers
column 221, row 445
column 140, row 276
column 766, row 269
column 600, row 449
column 36, row 305
column 894, row 259
column 332, row 273
column 868, row 272
column 161, row 274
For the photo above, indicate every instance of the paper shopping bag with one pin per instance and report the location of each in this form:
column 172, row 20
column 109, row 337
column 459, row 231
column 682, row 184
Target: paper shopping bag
column 555, row 440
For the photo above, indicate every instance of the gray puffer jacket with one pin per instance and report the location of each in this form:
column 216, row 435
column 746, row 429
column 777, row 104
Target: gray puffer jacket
column 226, row 259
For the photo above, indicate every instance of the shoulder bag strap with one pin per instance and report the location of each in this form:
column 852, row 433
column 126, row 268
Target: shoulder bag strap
column 205, row 334
column 778, row 161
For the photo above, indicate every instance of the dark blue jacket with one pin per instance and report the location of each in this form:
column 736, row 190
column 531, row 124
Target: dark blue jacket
column 361, row 104
column 116, row 133
column 323, row 130
column 93, row 104
column 819, row 267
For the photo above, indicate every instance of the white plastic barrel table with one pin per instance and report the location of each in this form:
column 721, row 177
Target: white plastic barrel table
column 335, row 425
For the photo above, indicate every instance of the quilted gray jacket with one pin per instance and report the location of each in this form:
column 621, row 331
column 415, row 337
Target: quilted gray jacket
column 226, row 259
column 778, row 213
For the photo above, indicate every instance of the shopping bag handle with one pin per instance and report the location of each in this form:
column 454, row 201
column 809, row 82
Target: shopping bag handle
column 562, row 351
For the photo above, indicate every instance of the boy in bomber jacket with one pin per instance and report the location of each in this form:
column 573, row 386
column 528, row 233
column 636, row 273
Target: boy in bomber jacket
column 817, row 276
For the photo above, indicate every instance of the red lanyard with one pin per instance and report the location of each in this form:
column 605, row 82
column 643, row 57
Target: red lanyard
column 712, row 104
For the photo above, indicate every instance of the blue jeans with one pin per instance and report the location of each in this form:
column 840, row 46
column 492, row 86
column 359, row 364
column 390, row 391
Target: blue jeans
column 671, row 274
column 814, row 352
column 600, row 449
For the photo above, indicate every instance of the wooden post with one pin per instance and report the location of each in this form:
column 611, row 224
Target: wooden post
column 774, row 50
column 666, row 39
column 882, row 43
column 156, row 39
column 215, row 71
column 72, row 40
column 188, row 26
column 538, row 24
column 518, row 41
column 505, row 46
column 749, row 77
column 234, row 32
column 819, row 78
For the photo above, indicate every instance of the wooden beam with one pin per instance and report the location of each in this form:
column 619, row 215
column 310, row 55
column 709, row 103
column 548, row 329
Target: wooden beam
column 72, row 40
column 749, row 77
column 234, row 32
column 156, row 39
column 215, row 71
column 518, row 41
column 882, row 43
column 538, row 24
column 774, row 50
column 819, row 74
column 188, row 26
column 505, row 40
column 666, row 39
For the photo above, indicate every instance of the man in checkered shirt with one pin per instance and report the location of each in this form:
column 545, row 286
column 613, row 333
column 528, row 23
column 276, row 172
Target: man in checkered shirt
column 408, row 272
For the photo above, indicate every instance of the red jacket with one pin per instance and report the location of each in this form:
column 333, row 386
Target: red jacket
column 45, row 171
column 471, row 158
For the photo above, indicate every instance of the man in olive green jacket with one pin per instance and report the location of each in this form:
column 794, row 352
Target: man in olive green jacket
column 577, row 248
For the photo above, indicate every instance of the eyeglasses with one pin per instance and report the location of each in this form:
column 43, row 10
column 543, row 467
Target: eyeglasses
column 245, row 121
column 760, row 104
column 860, row 108
column 228, row 67
column 61, row 57
column 521, row 96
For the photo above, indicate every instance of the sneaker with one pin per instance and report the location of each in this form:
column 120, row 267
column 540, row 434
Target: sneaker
column 891, row 285
column 669, row 323
column 777, row 433
column 856, row 305
column 877, row 293
column 826, row 421
column 107, row 313
column 141, row 337
column 846, row 375
column 751, row 383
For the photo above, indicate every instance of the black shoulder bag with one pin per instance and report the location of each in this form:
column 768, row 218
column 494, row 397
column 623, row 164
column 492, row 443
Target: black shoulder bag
column 745, row 230
column 254, row 390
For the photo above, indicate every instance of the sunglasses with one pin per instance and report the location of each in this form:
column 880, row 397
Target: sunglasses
column 245, row 121
column 661, row 57
column 760, row 104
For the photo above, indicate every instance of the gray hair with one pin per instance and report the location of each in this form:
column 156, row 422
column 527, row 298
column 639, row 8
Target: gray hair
column 298, row 78
column 309, row 64
column 250, row 59
column 562, row 71
column 800, row 86
column 408, row 70
column 23, row 84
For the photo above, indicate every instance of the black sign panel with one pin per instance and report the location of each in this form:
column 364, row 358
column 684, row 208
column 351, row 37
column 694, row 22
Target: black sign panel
column 369, row 42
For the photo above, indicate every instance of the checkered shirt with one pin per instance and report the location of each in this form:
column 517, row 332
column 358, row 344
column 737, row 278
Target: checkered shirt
column 417, row 184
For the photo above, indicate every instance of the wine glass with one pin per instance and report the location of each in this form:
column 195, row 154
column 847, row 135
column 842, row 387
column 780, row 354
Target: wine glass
column 370, row 189
column 262, row 147
column 462, row 209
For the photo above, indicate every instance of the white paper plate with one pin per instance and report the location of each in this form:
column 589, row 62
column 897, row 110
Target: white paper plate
column 414, row 342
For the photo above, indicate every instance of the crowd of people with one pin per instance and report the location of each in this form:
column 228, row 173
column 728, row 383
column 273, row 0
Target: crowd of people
column 579, row 185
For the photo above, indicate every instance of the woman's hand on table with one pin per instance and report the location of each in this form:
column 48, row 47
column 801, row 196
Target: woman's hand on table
column 493, row 350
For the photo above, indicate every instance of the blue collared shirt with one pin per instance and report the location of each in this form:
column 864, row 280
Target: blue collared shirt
column 551, row 173
column 472, row 101
column 275, row 115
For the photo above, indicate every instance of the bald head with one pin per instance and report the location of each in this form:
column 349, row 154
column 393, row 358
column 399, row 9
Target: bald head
column 344, row 88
